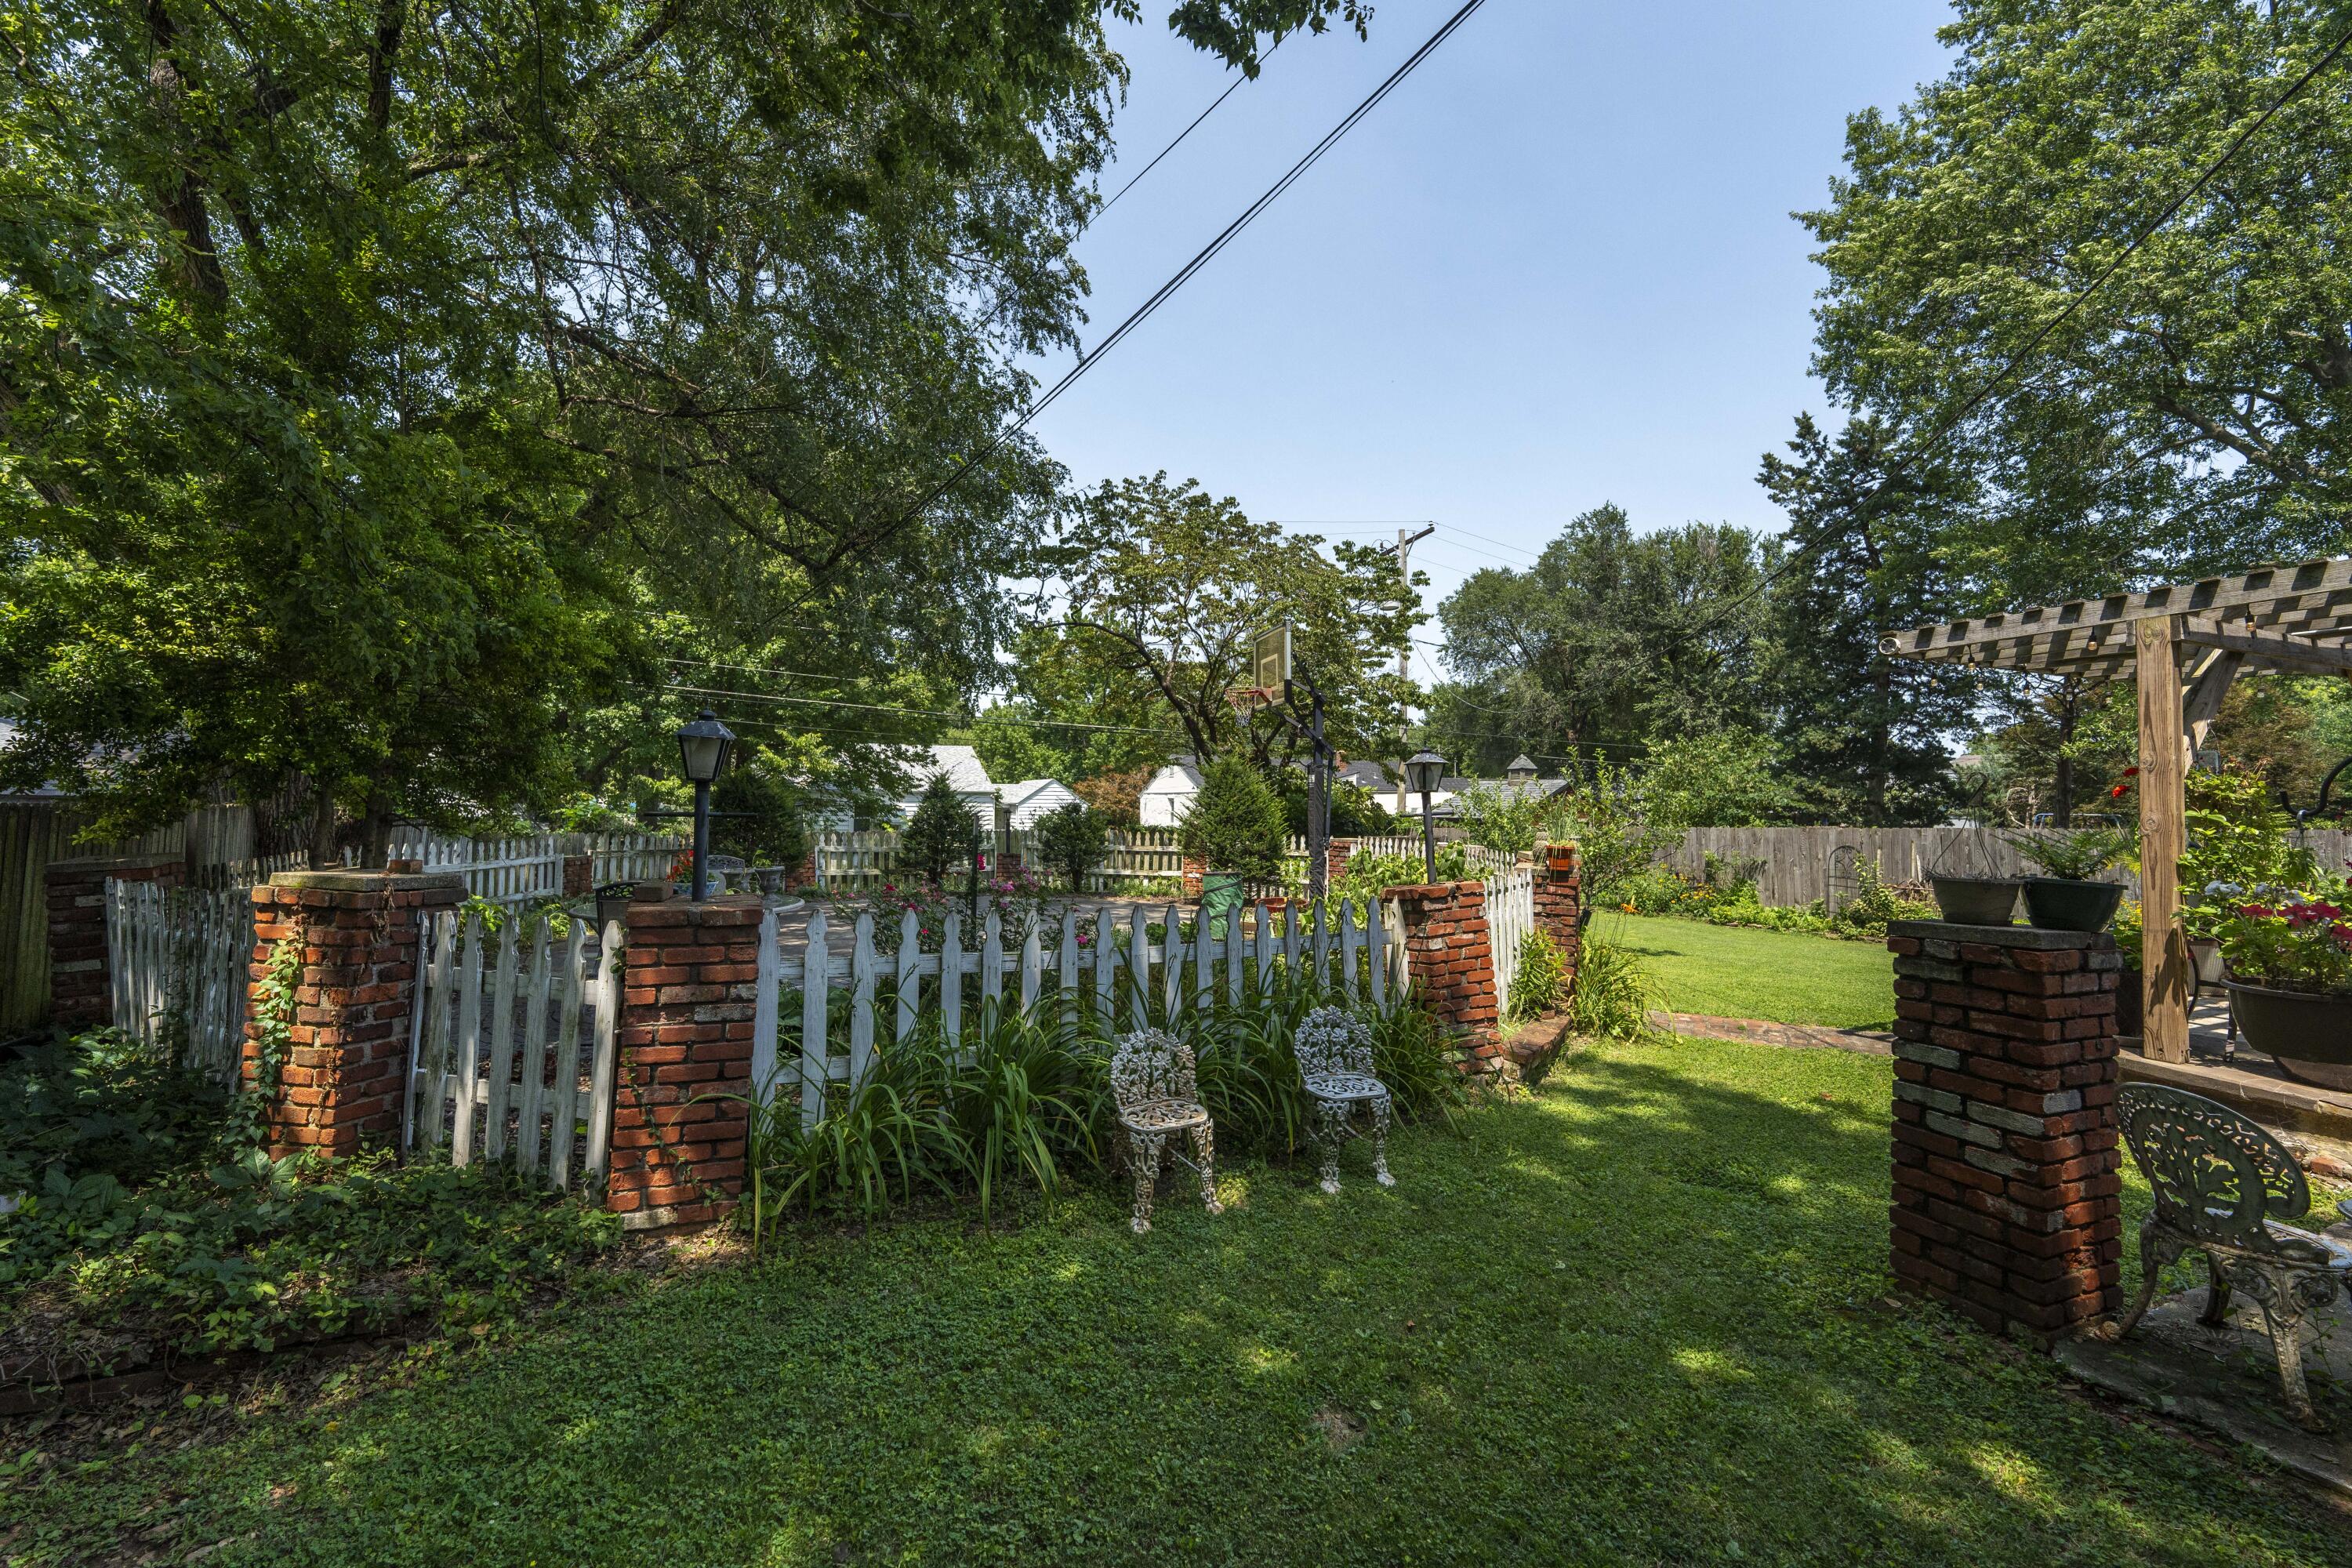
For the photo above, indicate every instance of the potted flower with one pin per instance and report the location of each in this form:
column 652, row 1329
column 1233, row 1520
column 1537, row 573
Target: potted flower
column 2289, row 961
column 2068, row 896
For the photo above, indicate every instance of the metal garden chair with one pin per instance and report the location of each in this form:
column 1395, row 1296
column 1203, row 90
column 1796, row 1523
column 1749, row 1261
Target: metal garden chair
column 1158, row 1096
column 1335, row 1057
column 2222, row 1187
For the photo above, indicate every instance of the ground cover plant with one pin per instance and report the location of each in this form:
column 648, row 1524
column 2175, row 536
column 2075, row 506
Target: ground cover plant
column 1731, row 972
column 1639, row 1315
column 149, row 1224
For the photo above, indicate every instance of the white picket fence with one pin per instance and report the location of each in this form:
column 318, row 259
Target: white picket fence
column 523, row 870
column 631, row 857
column 1510, row 915
column 848, row 864
column 1084, row 964
column 177, row 961
column 511, row 1045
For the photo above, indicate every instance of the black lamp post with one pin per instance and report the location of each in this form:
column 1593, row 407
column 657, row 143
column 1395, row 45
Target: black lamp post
column 703, row 748
column 1423, row 772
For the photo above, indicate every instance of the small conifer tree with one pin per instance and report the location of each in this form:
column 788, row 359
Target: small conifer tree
column 1237, row 822
column 941, row 837
column 1073, row 839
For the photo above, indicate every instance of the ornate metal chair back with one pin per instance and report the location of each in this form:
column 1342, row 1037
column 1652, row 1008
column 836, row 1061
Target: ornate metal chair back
column 1331, row 1041
column 2217, row 1175
column 1149, row 1065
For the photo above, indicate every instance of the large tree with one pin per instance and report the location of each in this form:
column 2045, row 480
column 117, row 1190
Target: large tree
column 1165, row 588
column 1862, row 735
column 1610, row 639
column 2198, row 411
column 366, row 368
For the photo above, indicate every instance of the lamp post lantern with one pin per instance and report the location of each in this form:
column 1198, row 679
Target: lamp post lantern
column 703, row 748
column 1423, row 770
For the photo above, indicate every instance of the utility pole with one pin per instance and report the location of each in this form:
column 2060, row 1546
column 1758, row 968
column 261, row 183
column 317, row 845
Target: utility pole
column 1405, row 542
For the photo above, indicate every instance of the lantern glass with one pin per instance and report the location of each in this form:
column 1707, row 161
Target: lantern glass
column 704, row 747
column 1424, row 773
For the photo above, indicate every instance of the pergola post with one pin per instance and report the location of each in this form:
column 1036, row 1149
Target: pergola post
column 2166, row 977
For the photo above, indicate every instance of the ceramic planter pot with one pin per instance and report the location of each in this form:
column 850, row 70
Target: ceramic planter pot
column 2061, row 903
column 1975, row 901
column 2310, row 1036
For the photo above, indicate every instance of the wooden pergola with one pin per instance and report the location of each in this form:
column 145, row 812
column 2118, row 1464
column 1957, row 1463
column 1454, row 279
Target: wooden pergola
column 2183, row 644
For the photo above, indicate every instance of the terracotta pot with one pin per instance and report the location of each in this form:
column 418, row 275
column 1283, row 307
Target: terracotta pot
column 2063, row 903
column 2309, row 1036
column 1975, row 900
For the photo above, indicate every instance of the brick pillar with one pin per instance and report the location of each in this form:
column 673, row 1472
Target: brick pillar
column 579, row 876
column 80, row 994
column 344, row 1077
column 1447, row 953
column 1195, row 872
column 687, row 998
column 2008, row 1184
column 1559, row 902
column 1337, row 853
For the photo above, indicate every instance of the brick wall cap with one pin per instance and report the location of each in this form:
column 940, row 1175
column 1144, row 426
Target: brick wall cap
column 370, row 881
column 1427, row 891
column 2032, row 936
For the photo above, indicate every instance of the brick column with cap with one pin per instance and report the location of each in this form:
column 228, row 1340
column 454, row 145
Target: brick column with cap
column 1449, row 954
column 340, row 1085
column 1559, row 902
column 1337, row 853
column 688, row 990
column 2008, row 1184
column 80, row 988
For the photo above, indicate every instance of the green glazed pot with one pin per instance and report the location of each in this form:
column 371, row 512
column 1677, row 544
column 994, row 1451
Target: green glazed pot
column 2061, row 903
column 1975, row 901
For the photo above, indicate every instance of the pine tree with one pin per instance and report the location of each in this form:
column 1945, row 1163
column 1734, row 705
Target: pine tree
column 942, row 836
column 1237, row 822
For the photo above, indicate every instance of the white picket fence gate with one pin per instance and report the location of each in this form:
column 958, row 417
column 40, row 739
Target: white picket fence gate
column 1510, row 915
column 511, row 1045
column 177, row 962
column 1084, row 962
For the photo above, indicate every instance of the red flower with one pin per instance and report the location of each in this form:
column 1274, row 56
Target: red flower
column 2116, row 792
column 2131, row 773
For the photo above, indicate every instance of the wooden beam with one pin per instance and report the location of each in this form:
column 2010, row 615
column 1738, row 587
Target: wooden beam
column 2285, row 652
column 2315, row 591
column 2205, row 694
column 2166, row 977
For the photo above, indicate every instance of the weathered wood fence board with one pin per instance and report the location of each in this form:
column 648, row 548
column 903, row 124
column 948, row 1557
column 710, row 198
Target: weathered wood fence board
column 1794, row 865
column 1510, row 916
column 512, row 1052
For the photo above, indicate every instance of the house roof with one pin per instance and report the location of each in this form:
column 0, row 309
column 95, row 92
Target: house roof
column 1369, row 773
column 1532, row 789
column 1019, row 794
column 962, row 765
column 1522, row 763
column 1184, row 771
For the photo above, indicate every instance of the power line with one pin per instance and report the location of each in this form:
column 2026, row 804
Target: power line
column 1230, row 90
column 902, row 711
column 1207, row 253
column 1976, row 399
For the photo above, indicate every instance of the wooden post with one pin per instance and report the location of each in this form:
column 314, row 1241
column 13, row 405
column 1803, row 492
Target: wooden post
column 2165, row 972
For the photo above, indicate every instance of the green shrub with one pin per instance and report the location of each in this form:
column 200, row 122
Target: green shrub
column 1541, row 983
column 1615, row 992
column 941, row 837
column 1073, row 840
column 1237, row 822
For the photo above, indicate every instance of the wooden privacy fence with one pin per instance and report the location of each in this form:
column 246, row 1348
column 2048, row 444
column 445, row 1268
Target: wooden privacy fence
column 1510, row 915
column 511, row 1045
column 177, row 968
column 1107, row 965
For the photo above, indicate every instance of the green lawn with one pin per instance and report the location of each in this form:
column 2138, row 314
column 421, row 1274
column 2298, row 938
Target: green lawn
column 1640, row 1316
column 1733, row 972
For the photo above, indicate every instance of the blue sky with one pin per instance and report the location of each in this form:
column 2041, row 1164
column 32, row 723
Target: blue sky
column 1555, row 268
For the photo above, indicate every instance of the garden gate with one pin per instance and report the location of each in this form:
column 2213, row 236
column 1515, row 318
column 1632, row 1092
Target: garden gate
column 511, row 1043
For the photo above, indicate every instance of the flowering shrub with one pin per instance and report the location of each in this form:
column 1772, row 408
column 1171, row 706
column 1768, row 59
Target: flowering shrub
column 1014, row 896
column 2287, row 940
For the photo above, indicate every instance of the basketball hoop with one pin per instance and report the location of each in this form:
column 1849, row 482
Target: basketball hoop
column 1248, row 700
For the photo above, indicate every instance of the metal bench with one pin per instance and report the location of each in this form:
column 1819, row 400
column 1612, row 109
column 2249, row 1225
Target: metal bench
column 1335, row 1059
column 2223, row 1186
column 1153, row 1084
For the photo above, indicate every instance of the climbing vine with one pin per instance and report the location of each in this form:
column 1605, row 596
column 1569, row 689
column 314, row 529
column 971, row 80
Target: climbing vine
column 274, row 1002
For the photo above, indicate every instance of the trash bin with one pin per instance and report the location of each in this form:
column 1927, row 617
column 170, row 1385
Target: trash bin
column 1221, row 895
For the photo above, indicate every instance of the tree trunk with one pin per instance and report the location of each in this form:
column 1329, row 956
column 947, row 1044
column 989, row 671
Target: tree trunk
column 324, row 853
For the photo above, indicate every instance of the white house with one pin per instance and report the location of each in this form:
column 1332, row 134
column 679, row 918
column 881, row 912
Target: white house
column 965, row 772
column 1167, row 800
column 1032, row 798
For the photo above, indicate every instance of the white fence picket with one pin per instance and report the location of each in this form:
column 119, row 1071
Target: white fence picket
column 177, row 969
